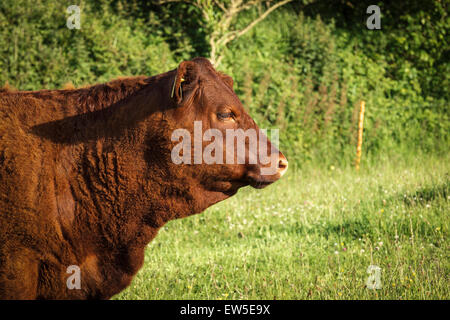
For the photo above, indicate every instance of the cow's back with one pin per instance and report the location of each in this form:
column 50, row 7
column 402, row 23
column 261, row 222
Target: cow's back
column 39, row 150
column 37, row 174
column 25, row 185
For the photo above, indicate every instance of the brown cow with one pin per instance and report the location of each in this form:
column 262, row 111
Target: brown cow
column 87, row 177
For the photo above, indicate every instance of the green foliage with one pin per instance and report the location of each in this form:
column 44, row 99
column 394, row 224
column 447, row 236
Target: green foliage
column 38, row 51
column 307, row 77
column 304, row 69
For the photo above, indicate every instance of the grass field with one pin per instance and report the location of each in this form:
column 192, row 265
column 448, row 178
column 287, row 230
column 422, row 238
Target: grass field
column 312, row 235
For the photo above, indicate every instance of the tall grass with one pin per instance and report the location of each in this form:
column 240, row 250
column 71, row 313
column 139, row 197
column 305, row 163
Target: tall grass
column 312, row 235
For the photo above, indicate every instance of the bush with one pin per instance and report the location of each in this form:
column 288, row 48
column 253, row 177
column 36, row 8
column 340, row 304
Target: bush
column 307, row 78
column 41, row 52
column 304, row 69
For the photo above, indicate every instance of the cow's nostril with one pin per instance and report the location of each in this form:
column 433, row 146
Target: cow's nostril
column 282, row 166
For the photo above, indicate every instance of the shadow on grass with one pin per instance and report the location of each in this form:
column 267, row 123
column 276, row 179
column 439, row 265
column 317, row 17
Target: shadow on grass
column 370, row 223
column 352, row 228
column 425, row 194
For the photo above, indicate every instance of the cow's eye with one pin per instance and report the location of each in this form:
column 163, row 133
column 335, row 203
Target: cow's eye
column 225, row 116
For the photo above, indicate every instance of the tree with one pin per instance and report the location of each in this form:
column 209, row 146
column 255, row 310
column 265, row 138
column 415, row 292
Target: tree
column 220, row 19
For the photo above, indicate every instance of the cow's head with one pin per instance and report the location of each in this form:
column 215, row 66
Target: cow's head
column 203, row 115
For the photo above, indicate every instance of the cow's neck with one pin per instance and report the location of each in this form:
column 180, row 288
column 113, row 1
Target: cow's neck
column 125, row 188
column 127, row 193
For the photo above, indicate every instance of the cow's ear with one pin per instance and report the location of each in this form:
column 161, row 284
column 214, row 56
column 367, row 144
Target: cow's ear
column 185, row 81
column 227, row 79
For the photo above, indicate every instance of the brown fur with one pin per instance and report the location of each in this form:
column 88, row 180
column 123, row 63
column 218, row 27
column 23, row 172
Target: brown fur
column 86, row 177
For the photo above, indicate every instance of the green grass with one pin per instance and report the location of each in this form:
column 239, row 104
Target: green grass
column 312, row 235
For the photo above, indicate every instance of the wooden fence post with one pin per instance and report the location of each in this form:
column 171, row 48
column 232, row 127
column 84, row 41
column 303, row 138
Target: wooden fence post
column 360, row 134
